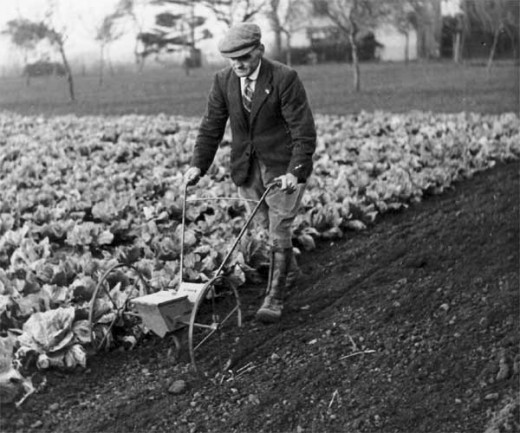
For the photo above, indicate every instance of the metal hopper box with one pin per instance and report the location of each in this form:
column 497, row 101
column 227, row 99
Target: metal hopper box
column 164, row 311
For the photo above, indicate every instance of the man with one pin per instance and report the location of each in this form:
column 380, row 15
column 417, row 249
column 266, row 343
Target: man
column 273, row 140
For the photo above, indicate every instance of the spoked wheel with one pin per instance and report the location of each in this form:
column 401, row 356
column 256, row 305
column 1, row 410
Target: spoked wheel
column 214, row 327
column 108, row 308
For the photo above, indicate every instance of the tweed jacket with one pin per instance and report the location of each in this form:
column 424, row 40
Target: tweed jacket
column 279, row 131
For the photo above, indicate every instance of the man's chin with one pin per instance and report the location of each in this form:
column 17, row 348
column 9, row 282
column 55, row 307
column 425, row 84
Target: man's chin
column 241, row 73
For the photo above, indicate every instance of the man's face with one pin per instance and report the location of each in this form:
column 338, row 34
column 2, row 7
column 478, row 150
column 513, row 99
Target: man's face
column 245, row 65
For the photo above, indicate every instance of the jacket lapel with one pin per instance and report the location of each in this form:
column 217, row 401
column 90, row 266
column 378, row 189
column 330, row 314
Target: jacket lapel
column 262, row 89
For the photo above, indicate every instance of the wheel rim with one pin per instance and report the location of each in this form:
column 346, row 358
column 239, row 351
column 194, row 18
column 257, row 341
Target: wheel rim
column 104, row 298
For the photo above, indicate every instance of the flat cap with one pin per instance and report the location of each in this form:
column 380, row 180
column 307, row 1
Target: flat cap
column 240, row 40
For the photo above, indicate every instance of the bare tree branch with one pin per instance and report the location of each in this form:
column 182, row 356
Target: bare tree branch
column 231, row 11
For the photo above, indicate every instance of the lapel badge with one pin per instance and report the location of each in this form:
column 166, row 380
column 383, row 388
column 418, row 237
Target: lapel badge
column 267, row 91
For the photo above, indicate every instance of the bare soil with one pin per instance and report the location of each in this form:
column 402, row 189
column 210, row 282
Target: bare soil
column 410, row 326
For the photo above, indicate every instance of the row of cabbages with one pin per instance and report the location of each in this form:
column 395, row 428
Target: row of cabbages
column 80, row 194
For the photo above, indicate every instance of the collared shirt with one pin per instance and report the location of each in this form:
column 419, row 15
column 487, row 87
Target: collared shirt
column 253, row 77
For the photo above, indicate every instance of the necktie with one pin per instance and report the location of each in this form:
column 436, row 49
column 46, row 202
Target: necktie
column 247, row 97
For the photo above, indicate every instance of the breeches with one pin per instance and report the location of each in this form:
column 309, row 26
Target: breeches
column 277, row 212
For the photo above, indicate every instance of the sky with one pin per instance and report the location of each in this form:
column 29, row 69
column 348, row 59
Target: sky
column 79, row 19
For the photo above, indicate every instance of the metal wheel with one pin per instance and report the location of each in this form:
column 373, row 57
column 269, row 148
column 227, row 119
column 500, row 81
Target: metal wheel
column 108, row 309
column 214, row 327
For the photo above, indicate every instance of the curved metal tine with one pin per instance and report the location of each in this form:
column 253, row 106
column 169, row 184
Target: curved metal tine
column 113, row 268
column 141, row 278
column 109, row 329
column 119, row 314
column 104, row 280
column 112, row 324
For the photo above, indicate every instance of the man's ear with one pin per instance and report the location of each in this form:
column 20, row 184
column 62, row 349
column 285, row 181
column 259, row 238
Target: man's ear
column 261, row 47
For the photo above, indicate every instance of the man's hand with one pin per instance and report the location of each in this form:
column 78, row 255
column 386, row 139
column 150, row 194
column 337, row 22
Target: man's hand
column 192, row 176
column 288, row 182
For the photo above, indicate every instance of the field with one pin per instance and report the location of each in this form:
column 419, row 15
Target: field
column 407, row 316
column 438, row 87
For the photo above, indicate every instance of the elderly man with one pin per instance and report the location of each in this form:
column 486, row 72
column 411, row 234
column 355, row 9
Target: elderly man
column 273, row 140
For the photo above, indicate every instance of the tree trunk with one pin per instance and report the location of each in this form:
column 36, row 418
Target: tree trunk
column 406, row 48
column 462, row 45
column 493, row 49
column 69, row 72
column 25, row 70
column 355, row 61
column 111, row 66
column 140, row 63
column 101, row 65
column 429, row 30
column 186, row 65
column 278, row 43
column 277, row 28
column 288, row 55
column 456, row 47
column 138, row 57
column 192, row 26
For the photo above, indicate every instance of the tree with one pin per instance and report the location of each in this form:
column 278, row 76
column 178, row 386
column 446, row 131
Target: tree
column 21, row 38
column 286, row 17
column 177, row 28
column 57, row 39
column 181, row 31
column 107, row 33
column 404, row 16
column 496, row 17
column 429, row 26
column 28, row 34
column 422, row 16
column 131, row 9
column 453, row 27
column 233, row 11
column 353, row 16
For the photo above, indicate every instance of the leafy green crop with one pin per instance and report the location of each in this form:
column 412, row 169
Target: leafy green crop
column 81, row 194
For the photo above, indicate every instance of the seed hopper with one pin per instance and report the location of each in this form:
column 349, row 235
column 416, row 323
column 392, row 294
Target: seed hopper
column 210, row 312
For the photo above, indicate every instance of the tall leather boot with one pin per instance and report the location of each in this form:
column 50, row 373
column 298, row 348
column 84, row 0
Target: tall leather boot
column 294, row 274
column 271, row 309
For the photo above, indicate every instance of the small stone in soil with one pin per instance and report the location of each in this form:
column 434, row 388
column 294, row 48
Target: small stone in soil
column 177, row 387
